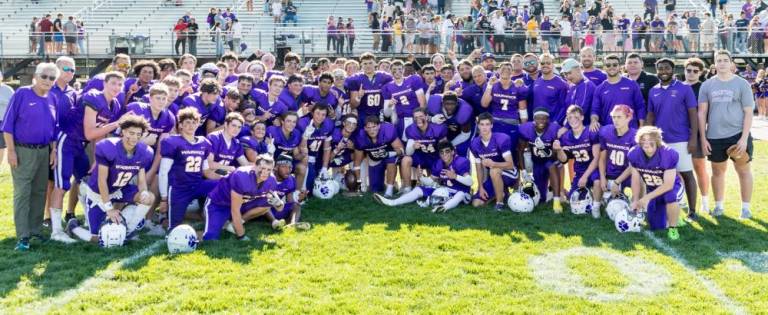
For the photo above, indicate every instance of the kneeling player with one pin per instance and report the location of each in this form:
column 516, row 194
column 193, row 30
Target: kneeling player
column 118, row 161
column 338, row 152
column 654, row 164
column 380, row 143
column 615, row 142
column 450, row 171
column 250, row 185
column 420, row 152
column 286, row 189
column 538, row 136
column 581, row 145
column 493, row 163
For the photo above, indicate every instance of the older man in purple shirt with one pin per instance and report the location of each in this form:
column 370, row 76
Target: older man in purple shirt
column 29, row 128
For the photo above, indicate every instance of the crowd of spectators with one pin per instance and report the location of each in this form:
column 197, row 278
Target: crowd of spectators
column 56, row 37
column 283, row 11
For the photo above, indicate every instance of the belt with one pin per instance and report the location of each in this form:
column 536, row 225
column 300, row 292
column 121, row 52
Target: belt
column 32, row 146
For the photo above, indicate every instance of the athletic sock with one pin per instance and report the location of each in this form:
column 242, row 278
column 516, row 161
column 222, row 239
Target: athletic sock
column 745, row 205
column 719, row 204
column 56, row 221
column 704, row 202
column 82, row 234
column 390, row 188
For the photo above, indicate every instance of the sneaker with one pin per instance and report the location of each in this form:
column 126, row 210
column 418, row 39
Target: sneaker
column 557, row 207
column 405, row 190
column 716, row 212
column 278, row 224
column 62, row 237
column 69, row 216
column 673, row 234
column 303, row 226
column 155, row 229
column 499, row 207
column 745, row 214
column 22, row 245
column 382, row 200
column 388, row 195
column 47, row 223
column 71, row 225
column 692, row 217
column 595, row 212
column 229, row 227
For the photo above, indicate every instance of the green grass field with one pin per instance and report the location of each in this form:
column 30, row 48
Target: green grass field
column 362, row 258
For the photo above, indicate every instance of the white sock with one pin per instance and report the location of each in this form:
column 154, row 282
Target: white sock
column 454, row 201
column 555, row 199
column 704, row 202
column 390, row 188
column 56, row 221
column 719, row 204
column 408, row 197
column 82, row 234
column 596, row 205
column 745, row 205
column 135, row 218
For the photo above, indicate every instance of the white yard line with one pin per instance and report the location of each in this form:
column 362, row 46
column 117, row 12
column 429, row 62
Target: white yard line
column 46, row 305
column 730, row 305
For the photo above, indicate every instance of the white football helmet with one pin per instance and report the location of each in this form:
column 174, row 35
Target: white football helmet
column 581, row 201
column 520, row 202
column 325, row 188
column 439, row 196
column 529, row 188
column 616, row 205
column 112, row 234
column 629, row 221
column 182, row 239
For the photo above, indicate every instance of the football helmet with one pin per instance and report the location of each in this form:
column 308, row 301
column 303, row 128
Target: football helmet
column 439, row 196
column 520, row 202
column 182, row 239
column 529, row 188
column 616, row 205
column 112, row 234
column 325, row 188
column 629, row 221
column 581, row 201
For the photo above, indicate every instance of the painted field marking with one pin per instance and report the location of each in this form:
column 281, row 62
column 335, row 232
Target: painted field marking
column 754, row 261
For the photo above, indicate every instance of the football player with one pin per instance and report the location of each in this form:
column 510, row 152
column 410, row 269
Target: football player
column 494, row 166
column 316, row 130
column 538, row 136
column 102, row 109
column 338, row 151
column 272, row 107
column 615, row 142
column 365, row 88
column 256, row 143
column 616, row 89
column 225, row 146
column 401, row 97
column 286, row 190
column 420, row 150
column 505, row 100
column 289, row 140
column 378, row 142
column 207, row 102
column 456, row 114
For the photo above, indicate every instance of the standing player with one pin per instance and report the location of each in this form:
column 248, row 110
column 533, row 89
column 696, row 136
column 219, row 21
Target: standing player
column 102, row 109
column 379, row 142
column 185, row 165
column 672, row 107
column 615, row 141
column 365, row 88
column 581, row 145
column 118, row 162
column 316, row 130
column 401, row 96
column 271, row 107
column 456, row 114
column 538, row 136
column 420, row 150
column 494, row 166
column 506, row 101
column 549, row 90
column 652, row 164
column 615, row 90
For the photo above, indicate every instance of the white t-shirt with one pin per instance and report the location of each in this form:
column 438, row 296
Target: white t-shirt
column 498, row 24
column 565, row 28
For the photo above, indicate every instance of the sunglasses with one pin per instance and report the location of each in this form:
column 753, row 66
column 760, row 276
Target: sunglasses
column 68, row 69
column 692, row 70
column 611, row 65
column 529, row 63
column 48, row 77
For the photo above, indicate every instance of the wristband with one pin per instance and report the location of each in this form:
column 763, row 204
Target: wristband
column 106, row 206
column 523, row 114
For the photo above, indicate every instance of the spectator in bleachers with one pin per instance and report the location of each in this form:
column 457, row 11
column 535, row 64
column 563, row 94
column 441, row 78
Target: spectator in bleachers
column 277, row 10
column 81, row 36
column 742, row 27
column 350, row 27
column 237, row 35
column 33, row 35
column 229, row 15
column 386, row 34
column 211, row 18
column 58, row 34
column 330, row 33
column 756, row 36
column 375, row 26
column 425, row 34
column 180, row 31
column 708, row 29
column 341, row 34
column 397, row 34
column 651, row 9
column 70, row 35
column 46, row 28
column 192, row 31
column 290, row 13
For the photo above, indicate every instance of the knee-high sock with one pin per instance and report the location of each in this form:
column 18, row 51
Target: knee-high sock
column 454, row 201
column 56, row 220
column 409, row 197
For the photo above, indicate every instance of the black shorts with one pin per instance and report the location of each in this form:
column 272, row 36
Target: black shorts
column 48, row 38
column 720, row 148
column 498, row 38
column 70, row 39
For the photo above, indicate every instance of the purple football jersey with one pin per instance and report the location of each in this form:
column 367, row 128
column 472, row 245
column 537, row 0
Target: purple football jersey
column 107, row 112
column 550, row 94
column 428, row 139
column 251, row 143
column 315, row 142
column 505, row 102
column 456, row 120
column 625, row 92
column 460, row 165
column 579, row 148
column 313, row 95
column 139, row 95
column 188, row 158
column 670, row 106
column 378, row 149
column 215, row 111
column 122, row 167
column 225, row 154
column 652, row 169
column 284, row 143
column 616, row 147
column 70, row 113
column 404, row 95
column 292, row 102
column 371, row 101
column 163, row 123
column 596, row 76
column 499, row 145
column 277, row 108
column 344, row 156
column 540, row 143
column 244, row 182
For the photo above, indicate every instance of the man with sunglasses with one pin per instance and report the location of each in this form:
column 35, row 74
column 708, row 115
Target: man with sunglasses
column 120, row 63
column 29, row 128
column 616, row 89
column 550, row 90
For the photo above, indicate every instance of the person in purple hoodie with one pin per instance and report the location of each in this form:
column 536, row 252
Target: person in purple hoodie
column 253, row 186
column 538, row 136
column 494, row 166
column 401, row 97
column 653, row 165
column 420, row 148
column 616, row 90
column 365, row 88
column 378, row 141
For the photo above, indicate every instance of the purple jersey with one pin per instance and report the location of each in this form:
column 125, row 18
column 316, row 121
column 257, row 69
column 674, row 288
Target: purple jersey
column 244, row 182
column 473, row 94
column 428, row 139
column 276, row 109
column 460, row 165
column 283, row 142
column 550, row 94
column 499, row 145
column 315, row 142
column 106, row 111
column 371, row 101
column 404, row 95
column 626, row 92
column 379, row 148
column 225, row 153
column 505, row 102
column 314, row 96
column 581, row 95
column 670, row 105
column 456, row 120
column 251, row 143
column 540, row 143
column 286, row 187
column 579, row 148
column 138, row 96
column 122, row 166
column 652, row 169
column 344, row 156
column 188, row 159
column 291, row 101
column 596, row 76
column 616, row 148
column 70, row 114
column 215, row 111
column 165, row 122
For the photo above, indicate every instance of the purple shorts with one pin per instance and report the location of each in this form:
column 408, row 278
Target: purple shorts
column 71, row 160
column 180, row 197
column 510, row 180
column 286, row 213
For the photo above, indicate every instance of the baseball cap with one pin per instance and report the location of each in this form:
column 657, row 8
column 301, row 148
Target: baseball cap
column 569, row 64
column 486, row 56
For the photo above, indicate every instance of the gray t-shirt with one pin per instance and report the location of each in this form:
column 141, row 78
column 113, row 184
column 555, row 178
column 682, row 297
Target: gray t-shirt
column 5, row 97
column 727, row 101
column 70, row 29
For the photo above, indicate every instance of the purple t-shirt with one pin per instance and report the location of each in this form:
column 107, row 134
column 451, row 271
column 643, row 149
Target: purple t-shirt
column 616, row 147
column 505, row 102
column 550, row 94
column 597, row 76
column 31, row 118
column 70, row 114
column 225, row 154
column 282, row 142
column 540, row 143
column 579, row 148
column 652, row 169
column 581, row 95
column 188, row 158
column 460, row 165
column 244, row 182
column 379, row 148
column 122, row 167
column 670, row 105
column 499, row 145
column 371, row 101
column 625, row 92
